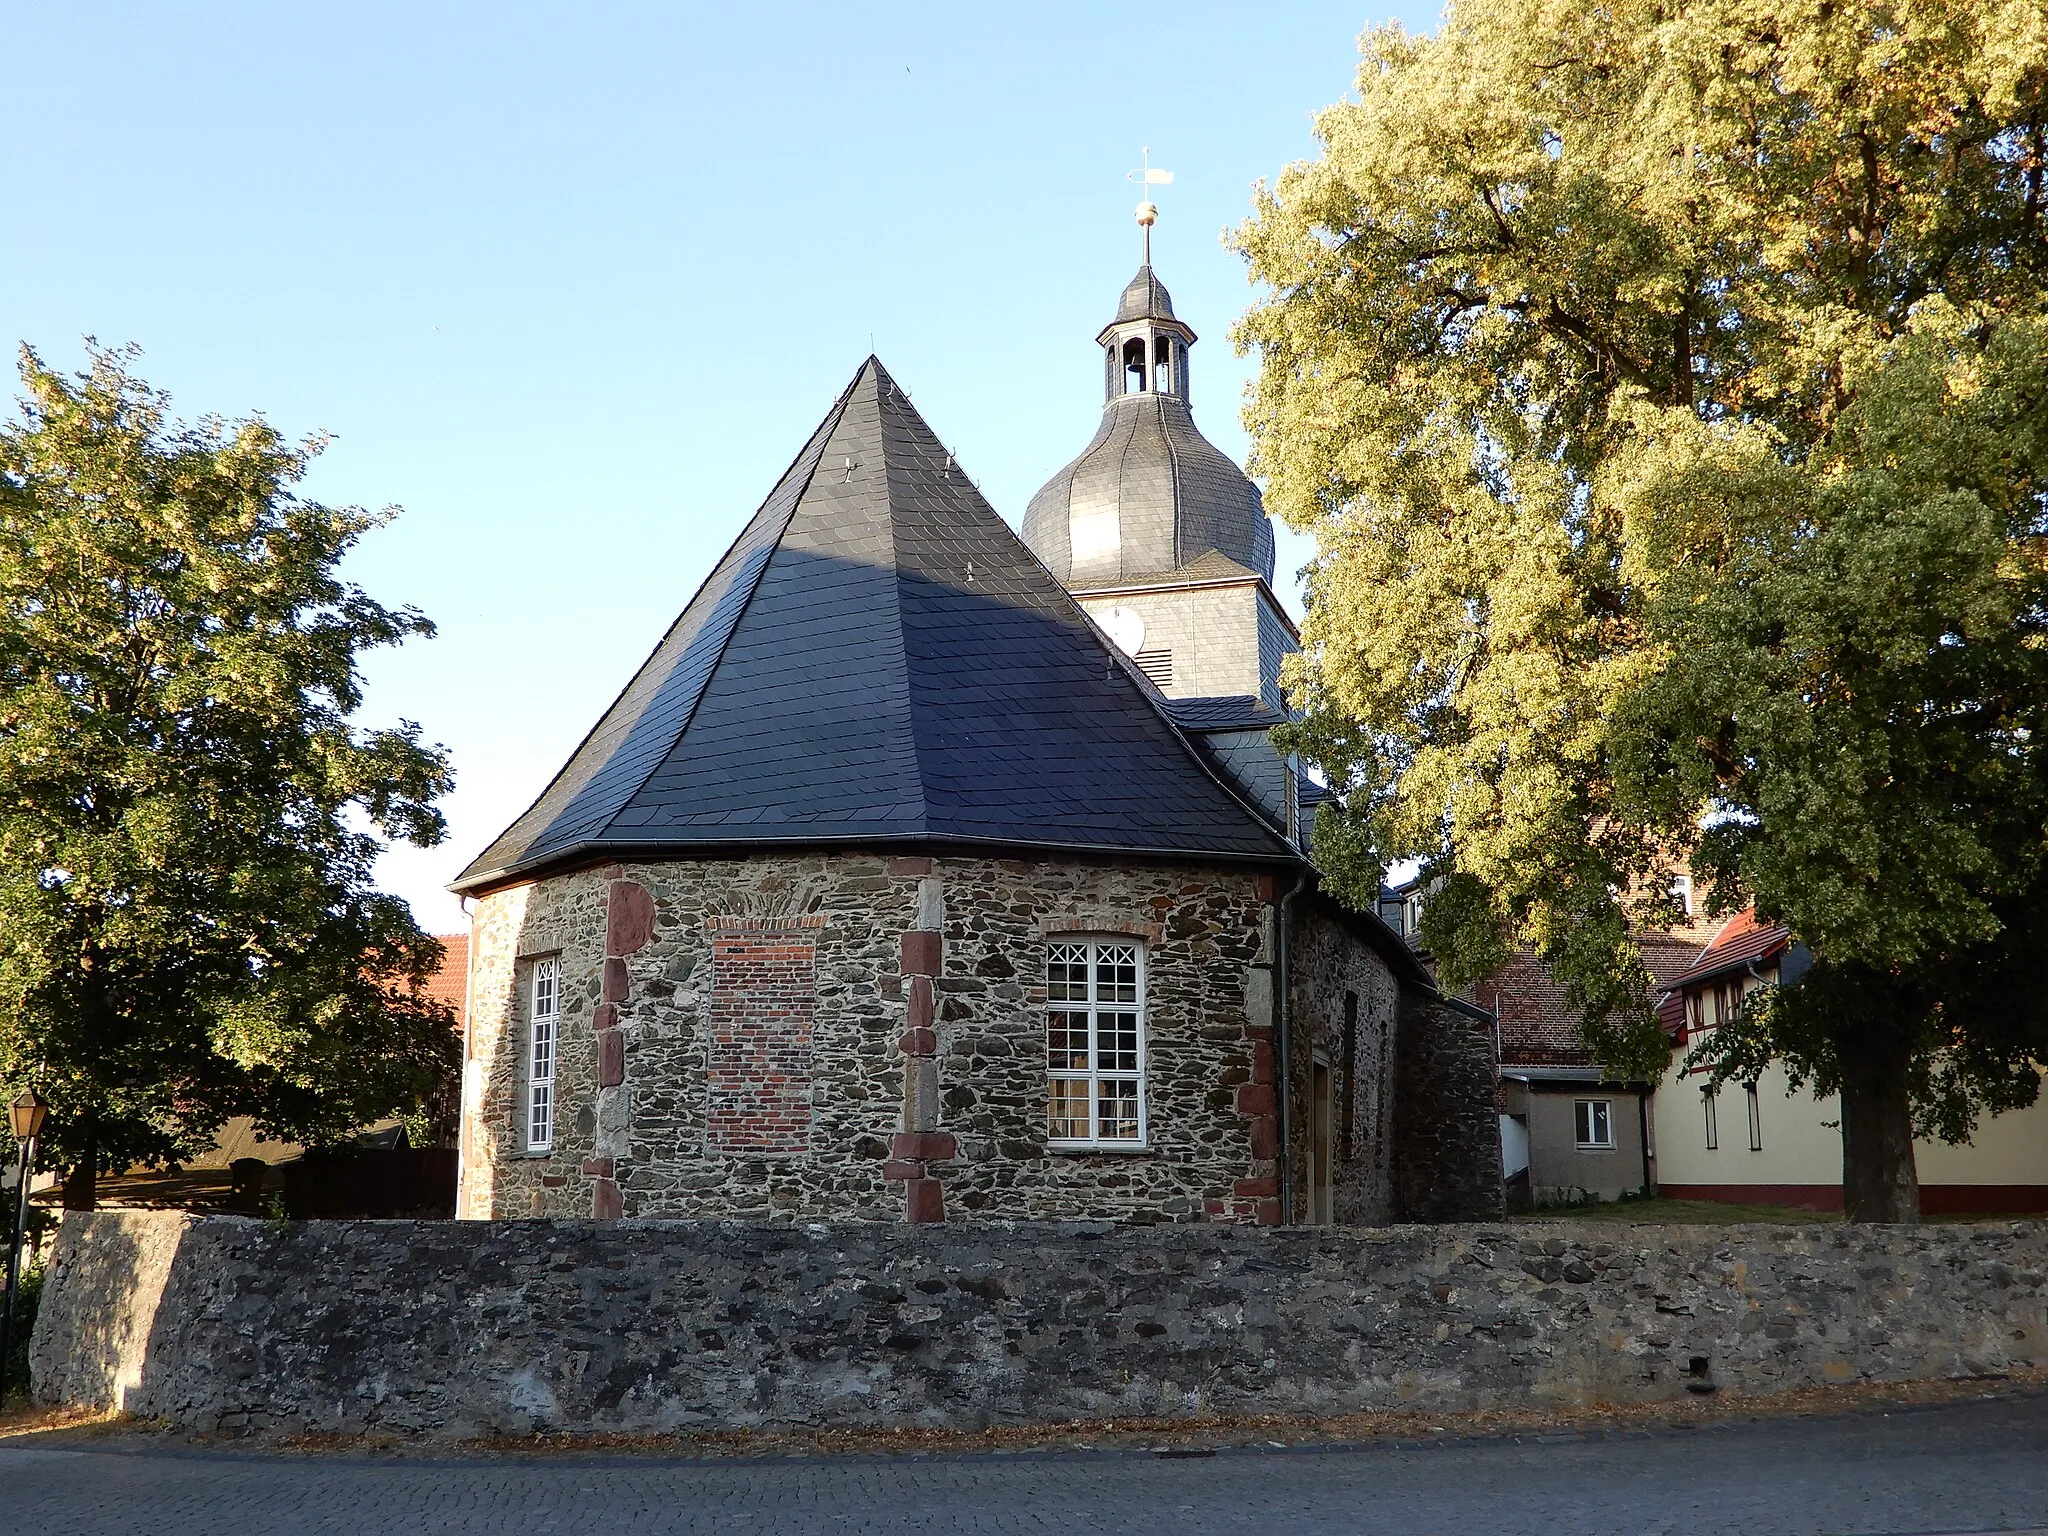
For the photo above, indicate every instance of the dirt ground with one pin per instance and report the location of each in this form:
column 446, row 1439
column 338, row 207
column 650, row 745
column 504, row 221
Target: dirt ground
column 71, row 1427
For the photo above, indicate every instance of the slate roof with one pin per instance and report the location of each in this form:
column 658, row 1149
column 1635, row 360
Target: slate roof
column 1224, row 712
column 1144, row 298
column 1148, row 497
column 879, row 659
column 1211, row 567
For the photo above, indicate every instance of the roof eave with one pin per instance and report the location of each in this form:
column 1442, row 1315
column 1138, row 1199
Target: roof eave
column 592, row 851
column 1720, row 968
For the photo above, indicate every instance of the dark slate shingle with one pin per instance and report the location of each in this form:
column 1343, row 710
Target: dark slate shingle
column 879, row 658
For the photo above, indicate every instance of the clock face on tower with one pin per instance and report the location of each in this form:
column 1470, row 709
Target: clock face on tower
column 1125, row 627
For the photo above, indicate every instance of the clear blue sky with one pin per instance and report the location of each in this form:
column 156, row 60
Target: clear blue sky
column 571, row 285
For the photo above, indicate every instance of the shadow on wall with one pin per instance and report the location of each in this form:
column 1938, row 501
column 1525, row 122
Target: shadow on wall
column 102, row 1295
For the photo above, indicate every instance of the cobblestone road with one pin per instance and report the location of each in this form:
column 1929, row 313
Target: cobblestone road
column 1979, row 1466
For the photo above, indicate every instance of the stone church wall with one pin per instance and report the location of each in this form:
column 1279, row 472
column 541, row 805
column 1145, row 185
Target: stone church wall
column 1346, row 1007
column 657, row 1063
column 1446, row 1160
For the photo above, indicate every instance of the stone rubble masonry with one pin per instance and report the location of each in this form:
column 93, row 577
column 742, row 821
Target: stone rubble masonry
column 628, row 926
column 1446, row 1125
column 466, row 1328
column 1329, row 966
column 927, row 1020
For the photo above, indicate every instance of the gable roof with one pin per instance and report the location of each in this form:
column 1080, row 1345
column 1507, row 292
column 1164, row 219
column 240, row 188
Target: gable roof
column 1742, row 939
column 878, row 658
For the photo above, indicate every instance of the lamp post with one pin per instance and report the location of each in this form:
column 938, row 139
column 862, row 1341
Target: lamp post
column 26, row 1115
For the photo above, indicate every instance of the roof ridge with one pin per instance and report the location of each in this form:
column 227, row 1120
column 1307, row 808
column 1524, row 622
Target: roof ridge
column 1147, row 690
column 814, row 449
column 889, row 393
column 820, row 439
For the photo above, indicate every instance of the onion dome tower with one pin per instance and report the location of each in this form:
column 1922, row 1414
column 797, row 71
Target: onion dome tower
column 1162, row 538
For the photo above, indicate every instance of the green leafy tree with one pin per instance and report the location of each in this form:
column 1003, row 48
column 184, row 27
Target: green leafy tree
column 1666, row 385
column 187, row 819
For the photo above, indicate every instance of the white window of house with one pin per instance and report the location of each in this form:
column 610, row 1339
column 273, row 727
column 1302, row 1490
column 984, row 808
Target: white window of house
column 543, row 1027
column 1095, row 1042
column 1708, row 1096
column 1681, row 895
column 1595, row 1119
column 1756, row 1122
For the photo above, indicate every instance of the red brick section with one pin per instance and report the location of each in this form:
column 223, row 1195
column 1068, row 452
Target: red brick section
column 763, row 995
column 924, row 1197
column 628, row 926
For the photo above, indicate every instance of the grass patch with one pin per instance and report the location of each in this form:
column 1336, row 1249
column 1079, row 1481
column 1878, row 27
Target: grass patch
column 1683, row 1213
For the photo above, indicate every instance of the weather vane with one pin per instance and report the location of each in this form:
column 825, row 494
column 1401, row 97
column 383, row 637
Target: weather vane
column 1148, row 176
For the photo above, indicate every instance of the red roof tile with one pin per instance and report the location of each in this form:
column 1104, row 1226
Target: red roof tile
column 1742, row 939
column 450, row 982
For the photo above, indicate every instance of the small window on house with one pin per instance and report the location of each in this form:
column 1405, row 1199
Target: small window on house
column 1681, row 895
column 1756, row 1121
column 1595, row 1122
column 1095, row 1042
column 1708, row 1097
column 543, row 1026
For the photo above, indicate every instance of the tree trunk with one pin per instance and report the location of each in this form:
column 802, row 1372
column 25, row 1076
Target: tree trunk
column 82, row 1184
column 1879, row 1180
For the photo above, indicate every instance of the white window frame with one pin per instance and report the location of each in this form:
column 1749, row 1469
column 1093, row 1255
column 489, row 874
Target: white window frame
column 1586, row 1144
column 543, row 1050
column 1094, row 1006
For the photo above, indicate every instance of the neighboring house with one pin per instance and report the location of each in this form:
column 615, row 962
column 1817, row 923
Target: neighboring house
column 924, row 871
column 1570, row 1131
column 1760, row 1143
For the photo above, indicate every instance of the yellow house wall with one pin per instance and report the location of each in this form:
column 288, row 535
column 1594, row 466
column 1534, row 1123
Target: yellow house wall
column 1802, row 1143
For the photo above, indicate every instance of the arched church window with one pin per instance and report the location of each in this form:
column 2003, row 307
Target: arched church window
column 1134, row 366
column 1162, row 364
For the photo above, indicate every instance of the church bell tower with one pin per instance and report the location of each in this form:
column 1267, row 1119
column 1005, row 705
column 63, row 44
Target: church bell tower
column 1162, row 538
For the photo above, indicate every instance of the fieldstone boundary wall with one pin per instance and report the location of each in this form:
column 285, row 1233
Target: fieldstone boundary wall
column 464, row 1328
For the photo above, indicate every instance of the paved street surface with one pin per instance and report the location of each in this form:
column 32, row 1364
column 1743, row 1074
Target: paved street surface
column 1978, row 1466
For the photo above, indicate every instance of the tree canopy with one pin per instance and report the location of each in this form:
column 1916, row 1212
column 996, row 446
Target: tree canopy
column 188, row 819
column 1666, row 386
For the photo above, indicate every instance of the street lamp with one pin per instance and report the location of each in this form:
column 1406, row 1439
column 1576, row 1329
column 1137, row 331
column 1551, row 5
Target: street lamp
column 26, row 1115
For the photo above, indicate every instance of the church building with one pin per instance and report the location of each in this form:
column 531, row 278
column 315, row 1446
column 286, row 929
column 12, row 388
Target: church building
column 925, row 873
